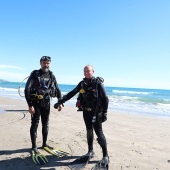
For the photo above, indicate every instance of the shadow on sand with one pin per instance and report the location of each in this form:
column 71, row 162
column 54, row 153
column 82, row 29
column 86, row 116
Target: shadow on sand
column 23, row 161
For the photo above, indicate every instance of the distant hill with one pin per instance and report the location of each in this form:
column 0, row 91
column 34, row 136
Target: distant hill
column 2, row 80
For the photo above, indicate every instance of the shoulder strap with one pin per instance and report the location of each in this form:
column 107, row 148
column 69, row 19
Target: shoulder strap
column 97, row 81
column 51, row 81
column 82, row 84
column 51, row 75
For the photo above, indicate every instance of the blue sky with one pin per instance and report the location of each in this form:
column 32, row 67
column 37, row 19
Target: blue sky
column 127, row 41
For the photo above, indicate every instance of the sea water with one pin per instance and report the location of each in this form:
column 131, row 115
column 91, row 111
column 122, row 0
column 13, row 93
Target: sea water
column 153, row 102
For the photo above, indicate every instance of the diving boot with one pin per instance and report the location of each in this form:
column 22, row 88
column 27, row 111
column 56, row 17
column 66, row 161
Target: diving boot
column 104, row 162
column 90, row 154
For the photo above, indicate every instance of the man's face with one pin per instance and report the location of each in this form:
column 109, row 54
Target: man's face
column 88, row 72
column 45, row 65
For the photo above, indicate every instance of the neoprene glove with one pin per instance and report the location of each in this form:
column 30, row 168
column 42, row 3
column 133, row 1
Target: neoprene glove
column 60, row 101
column 104, row 116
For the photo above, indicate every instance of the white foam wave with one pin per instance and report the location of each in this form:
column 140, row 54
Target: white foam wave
column 8, row 89
column 123, row 98
column 130, row 92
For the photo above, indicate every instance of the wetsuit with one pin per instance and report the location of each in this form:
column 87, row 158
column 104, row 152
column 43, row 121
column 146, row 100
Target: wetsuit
column 47, row 88
column 88, row 112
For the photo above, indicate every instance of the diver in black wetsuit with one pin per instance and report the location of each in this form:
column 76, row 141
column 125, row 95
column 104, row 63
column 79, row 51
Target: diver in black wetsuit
column 41, row 85
column 93, row 101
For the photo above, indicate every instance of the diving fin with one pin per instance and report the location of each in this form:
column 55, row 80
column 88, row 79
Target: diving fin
column 55, row 151
column 38, row 157
column 81, row 162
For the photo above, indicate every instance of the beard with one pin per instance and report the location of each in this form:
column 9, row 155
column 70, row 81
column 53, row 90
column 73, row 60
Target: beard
column 45, row 69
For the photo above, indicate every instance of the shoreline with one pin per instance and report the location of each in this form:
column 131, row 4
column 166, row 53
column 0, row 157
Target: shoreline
column 71, row 104
column 135, row 142
column 149, row 102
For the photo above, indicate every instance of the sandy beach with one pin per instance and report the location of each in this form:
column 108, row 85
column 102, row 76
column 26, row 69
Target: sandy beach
column 135, row 142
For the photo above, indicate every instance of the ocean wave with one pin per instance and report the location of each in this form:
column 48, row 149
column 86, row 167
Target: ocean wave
column 131, row 92
column 123, row 99
column 154, row 100
column 8, row 89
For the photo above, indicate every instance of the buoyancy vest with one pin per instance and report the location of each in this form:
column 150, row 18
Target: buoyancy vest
column 89, row 97
column 43, row 87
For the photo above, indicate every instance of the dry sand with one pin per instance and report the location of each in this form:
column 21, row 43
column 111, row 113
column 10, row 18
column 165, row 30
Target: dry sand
column 135, row 142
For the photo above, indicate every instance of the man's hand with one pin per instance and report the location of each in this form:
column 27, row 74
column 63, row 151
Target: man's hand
column 60, row 108
column 31, row 110
column 59, row 103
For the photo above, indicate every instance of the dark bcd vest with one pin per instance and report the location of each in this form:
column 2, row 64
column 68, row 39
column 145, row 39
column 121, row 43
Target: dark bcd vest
column 89, row 96
column 43, row 85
